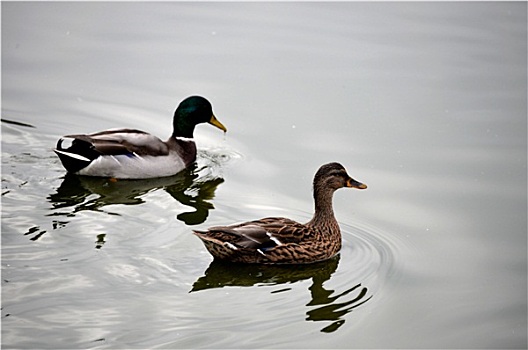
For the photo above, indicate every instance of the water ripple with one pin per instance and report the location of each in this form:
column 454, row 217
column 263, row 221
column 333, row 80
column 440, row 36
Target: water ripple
column 371, row 251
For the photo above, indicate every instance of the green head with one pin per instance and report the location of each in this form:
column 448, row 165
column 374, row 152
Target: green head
column 191, row 112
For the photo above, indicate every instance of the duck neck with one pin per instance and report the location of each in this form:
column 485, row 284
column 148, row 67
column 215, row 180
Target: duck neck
column 324, row 212
column 185, row 148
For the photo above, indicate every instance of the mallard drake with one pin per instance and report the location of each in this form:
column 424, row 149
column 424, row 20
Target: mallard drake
column 278, row 240
column 135, row 154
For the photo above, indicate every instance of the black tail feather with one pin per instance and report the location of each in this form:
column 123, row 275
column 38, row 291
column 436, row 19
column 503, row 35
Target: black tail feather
column 78, row 156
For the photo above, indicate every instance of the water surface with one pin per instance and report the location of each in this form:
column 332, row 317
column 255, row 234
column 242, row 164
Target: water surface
column 424, row 102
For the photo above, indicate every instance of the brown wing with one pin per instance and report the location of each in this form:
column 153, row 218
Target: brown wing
column 124, row 141
column 260, row 234
column 284, row 229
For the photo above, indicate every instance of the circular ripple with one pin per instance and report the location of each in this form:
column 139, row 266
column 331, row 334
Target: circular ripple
column 369, row 253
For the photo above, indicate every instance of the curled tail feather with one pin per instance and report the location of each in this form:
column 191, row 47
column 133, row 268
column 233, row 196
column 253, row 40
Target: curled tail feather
column 78, row 156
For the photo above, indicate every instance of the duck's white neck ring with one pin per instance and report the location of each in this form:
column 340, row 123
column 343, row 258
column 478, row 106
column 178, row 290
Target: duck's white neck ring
column 185, row 139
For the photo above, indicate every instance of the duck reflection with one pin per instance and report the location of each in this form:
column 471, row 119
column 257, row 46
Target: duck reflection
column 188, row 187
column 329, row 306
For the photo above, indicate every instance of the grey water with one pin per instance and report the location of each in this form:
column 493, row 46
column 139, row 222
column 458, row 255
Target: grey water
column 425, row 102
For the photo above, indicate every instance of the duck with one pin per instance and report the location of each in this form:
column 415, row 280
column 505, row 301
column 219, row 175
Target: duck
column 135, row 154
column 279, row 240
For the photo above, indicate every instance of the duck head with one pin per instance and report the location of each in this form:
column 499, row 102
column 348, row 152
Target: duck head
column 191, row 112
column 333, row 176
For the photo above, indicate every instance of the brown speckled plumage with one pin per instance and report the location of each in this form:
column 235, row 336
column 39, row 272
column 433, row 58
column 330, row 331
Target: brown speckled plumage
column 278, row 240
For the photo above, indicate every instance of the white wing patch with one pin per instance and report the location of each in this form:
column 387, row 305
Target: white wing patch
column 74, row 155
column 230, row 245
column 274, row 239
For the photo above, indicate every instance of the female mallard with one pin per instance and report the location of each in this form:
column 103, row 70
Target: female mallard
column 284, row 241
column 135, row 154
